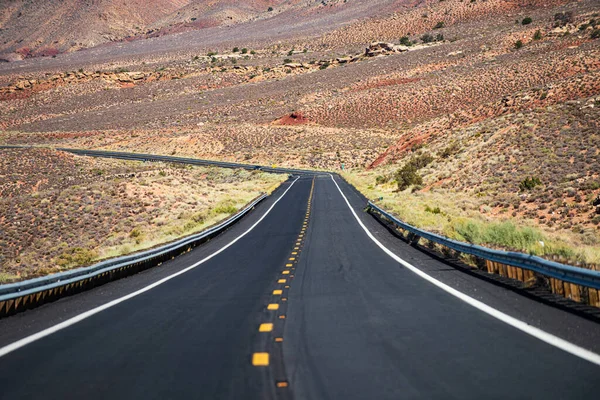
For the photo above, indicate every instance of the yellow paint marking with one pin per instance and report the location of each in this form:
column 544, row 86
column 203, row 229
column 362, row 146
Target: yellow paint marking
column 289, row 265
column 277, row 292
column 284, row 299
column 273, row 306
column 282, row 384
column 296, row 248
column 292, row 258
column 281, row 281
column 294, row 253
column 285, row 272
column 260, row 359
column 282, row 317
column 279, row 339
column 287, row 286
column 268, row 327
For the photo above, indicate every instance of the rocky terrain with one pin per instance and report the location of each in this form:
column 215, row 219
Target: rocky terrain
column 59, row 211
column 498, row 100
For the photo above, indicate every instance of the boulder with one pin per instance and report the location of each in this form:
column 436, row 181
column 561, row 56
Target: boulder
column 136, row 76
column 293, row 65
column 21, row 85
column 344, row 60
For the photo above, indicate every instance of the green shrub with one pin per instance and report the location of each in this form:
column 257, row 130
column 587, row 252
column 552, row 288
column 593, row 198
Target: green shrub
column 405, row 41
column 270, row 9
column 236, row 49
column 287, row 61
column 526, row 21
column 76, row 257
column 427, row 38
column 529, row 183
column 381, row 179
column 537, row 35
column 595, row 34
column 435, row 210
column 518, row 44
column 244, row 50
column 407, row 176
column 439, row 25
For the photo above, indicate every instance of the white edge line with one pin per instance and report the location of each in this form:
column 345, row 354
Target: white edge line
column 78, row 318
column 514, row 322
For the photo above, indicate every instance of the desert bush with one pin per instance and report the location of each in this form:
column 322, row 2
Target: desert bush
column 381, row 179
column 236, row 49
column 450, row 150
column 244, row 50
column 405, row 41
column 427, row 38
column 595, row 34
column 439, row 37
column 439, row 25
column 518, row 44
column 529, row 183
column 76, row 257
column 435, row 210
column 537, row 35
column 407, row 176
column 287, row 61
column 526, row 21
column 563, row 18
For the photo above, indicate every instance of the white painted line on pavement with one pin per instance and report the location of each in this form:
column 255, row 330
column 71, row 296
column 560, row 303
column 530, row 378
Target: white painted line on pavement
column 516, row 323
column 78, row 318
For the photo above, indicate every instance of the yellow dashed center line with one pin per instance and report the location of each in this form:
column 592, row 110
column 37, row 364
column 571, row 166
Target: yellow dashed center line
column 281, row 281
column 273, row 306
column 266, row 327
column 260, row 359
column 285, row 272
column 277, row 292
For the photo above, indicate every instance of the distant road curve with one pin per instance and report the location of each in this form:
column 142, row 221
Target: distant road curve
column 171, row 159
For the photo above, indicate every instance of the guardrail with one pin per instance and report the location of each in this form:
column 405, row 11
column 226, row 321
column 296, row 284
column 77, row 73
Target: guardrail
column 181, row 160
column 579, row 276
column 28, row 294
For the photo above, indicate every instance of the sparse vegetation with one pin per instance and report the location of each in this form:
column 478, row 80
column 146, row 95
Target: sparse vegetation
column 129, row 207
column 526, row 21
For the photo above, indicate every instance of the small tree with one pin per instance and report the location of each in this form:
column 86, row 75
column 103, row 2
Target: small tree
column 236, row 49
column 405, row 41
column 526, row 21
column 244, row 50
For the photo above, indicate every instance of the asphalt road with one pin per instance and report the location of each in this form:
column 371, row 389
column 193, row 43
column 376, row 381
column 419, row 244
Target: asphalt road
column 350, row 322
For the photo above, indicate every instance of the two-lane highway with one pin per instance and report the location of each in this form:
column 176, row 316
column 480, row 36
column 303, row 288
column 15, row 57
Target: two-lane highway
column 295, row 301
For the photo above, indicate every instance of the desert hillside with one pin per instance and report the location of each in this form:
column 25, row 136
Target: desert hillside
column 47, row 28
column 484, row 111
